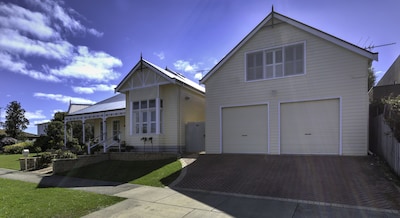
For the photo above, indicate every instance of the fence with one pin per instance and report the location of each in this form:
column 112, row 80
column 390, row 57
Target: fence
column 384, row 143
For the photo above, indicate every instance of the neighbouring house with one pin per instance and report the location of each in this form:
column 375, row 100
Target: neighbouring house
column 289, row 88
column 41, row 128
column 392, row 75
column 389, row 84
column 160, row 104
column 155, row 111
column 107, row 118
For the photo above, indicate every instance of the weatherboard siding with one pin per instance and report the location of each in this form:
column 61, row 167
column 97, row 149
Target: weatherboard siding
column 331, row 72
column 176, row 112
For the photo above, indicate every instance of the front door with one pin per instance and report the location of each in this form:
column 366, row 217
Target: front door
column 116, row 130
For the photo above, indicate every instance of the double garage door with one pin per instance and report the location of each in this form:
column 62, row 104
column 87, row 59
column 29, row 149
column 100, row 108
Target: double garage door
column 309, row 127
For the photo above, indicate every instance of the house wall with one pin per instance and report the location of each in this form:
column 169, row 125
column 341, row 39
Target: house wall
column 176, row 112
column 331, row 72
column 392, row 75
column 109, row 126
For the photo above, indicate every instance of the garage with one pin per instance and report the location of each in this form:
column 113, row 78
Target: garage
column 245, row 129
column 310, row 127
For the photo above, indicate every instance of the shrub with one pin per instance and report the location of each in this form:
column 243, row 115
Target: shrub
column 65, row 155
column 45, row 159
column 8, row 141
column 392, row 114
column 43, row 143
column 17, row 148
column 75, row 147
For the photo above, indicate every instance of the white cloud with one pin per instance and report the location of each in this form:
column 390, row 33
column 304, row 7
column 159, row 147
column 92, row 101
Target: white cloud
column 160, row 55
column 92, row 89
column 63, row 98
column 16, row 17
column 36, row 122
column 198, row 76
column 186, row 66
column 19, row 66
column 35, row 115
column 89, row 65
column 95, row 32
column 15, row 43
column 41, row 32
column 63, row 17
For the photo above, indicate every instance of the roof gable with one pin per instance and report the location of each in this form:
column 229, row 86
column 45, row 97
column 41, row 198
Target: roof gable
column 272, row 19
column 146, row 74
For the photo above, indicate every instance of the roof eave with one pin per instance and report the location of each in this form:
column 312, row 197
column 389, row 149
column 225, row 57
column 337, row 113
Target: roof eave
column 312, row 30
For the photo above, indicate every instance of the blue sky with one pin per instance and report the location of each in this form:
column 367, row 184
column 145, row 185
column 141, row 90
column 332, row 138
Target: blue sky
column 53, row 52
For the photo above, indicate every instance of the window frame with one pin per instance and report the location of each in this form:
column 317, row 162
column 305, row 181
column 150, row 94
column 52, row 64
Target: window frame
column 139, row 122
column 274, row 64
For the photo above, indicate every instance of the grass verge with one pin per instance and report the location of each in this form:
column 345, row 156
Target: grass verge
column 157, row 173
column 23, row 199
column 11, row 161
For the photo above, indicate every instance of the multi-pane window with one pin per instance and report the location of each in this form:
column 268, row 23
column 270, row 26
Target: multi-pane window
column 274, row 63
column 116, row 130
column 144, row 116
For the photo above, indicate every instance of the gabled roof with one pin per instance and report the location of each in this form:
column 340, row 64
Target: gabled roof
column 274, row 15
column 168, row 74
column 116, row 102
column 76, row 107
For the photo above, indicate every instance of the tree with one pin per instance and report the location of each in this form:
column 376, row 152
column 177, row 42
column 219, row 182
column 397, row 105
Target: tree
column 55, row 132
column 16, row 121
column 371, row 78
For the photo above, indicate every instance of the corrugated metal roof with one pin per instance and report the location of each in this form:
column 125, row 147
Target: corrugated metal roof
column 114, row 103
column 177, row 76
column 167, row 73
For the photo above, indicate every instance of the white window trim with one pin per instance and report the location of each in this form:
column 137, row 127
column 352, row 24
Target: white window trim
column 264, row 64
column 158, row 121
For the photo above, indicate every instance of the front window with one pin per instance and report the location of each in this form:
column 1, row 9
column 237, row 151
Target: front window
column 144, row 116
column 275, row 63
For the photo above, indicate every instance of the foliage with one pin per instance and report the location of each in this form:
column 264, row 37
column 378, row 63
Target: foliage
column 23, row 199
column 59, row 116
column 17, row 148
column 8, row 141
column 42, row 142
column 60, row 154
column 45, row 159
column 15, row 120
column 55, row 132
column 392, row 114
column 371, row 78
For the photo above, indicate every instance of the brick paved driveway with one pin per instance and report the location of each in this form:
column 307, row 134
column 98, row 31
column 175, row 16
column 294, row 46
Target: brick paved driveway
column 358, row 181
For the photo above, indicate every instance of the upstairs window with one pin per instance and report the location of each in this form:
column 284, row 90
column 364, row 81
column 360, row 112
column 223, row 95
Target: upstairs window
column 275, row 63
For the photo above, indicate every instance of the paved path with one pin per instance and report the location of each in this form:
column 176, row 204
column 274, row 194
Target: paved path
column 144, row 201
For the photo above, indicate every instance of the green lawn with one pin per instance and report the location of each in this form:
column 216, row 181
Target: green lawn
column 10, row 161
column 153, row 173
column 23, row 199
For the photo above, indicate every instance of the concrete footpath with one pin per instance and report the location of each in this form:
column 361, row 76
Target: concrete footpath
column 145, row 201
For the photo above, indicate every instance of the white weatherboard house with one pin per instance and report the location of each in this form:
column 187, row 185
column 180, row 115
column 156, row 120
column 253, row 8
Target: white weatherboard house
column 154, row 109
column 288, row 88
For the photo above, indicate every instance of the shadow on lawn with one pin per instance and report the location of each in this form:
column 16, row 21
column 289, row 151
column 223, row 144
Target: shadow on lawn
column 107, row 173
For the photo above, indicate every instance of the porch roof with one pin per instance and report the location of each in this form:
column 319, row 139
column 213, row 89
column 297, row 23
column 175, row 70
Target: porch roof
column 117, row 102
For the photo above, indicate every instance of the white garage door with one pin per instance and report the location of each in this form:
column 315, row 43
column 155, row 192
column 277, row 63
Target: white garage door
column 310, row 127
column 245, row 129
